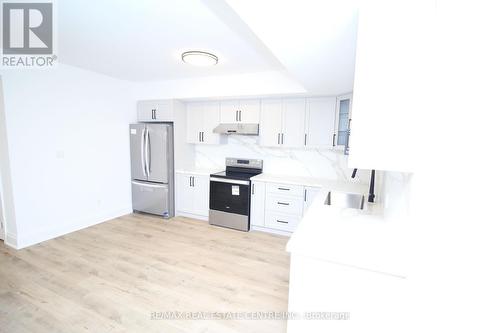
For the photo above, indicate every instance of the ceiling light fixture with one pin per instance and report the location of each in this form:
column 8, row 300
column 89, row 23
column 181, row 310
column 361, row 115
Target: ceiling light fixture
column 200, row 58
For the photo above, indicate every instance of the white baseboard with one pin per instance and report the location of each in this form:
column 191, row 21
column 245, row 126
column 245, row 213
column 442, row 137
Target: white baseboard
column 271, row 231
column 35, row 237
column 193, row 216
column 11, row 240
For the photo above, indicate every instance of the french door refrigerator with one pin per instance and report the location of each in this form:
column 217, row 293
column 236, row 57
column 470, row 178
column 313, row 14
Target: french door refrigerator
column 152, row 166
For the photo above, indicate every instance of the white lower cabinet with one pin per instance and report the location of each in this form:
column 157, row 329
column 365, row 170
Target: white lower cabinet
column 285, row 204
column 279, row 207
column 258, row 204
column 309, row 195
column 192, row 195
column 280, row 221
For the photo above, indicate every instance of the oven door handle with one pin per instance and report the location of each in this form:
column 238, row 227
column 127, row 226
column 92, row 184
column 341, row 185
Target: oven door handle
column 230, row 181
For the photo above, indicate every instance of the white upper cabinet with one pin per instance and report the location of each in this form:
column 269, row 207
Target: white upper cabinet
column 240, row 111
column 211, row 119
column 292, row 134
column 343, row 121
column 320, row 122
column 194, row 122
column 202, row 118
column 270, row 125
column 152, row 111
column 282, row 122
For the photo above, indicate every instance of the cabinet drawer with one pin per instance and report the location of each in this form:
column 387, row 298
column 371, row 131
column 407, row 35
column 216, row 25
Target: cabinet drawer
column 286, row 204
column 282, row 189
column 281, row 221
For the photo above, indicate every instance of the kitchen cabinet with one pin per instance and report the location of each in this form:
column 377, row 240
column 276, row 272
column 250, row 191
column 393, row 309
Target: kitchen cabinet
column 294, row 110
column 284, row 206
column 271, row 125
column 155, row 111
column 343, row 122
column 257, row 204
column 240, row 111
column 282, row 122
column 320, row 122
column 309, row 196
column 202, row 118
column 192, row 195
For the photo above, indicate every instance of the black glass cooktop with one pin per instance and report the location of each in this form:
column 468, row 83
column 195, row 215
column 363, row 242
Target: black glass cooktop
column 234, row 175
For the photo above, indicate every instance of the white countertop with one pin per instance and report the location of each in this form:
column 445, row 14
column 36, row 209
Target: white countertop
column 353, row 237
column 198, row 171
column 342, row 186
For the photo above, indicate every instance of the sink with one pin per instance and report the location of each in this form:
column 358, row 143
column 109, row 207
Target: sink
column 345, row 200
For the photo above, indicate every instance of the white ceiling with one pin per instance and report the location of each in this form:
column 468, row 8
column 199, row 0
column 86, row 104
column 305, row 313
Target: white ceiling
column 143, row 40
column 314, row 41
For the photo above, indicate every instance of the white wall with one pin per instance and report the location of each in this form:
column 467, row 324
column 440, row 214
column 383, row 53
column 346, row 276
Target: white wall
column 69, row 149
column 254, row 84
column 7, row 212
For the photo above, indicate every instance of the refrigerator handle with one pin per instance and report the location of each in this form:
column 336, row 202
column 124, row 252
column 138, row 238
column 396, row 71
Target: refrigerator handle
column 143, row 159
column 147, row 156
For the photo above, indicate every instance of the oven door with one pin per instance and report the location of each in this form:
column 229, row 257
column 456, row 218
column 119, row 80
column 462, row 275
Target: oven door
column 230, row 196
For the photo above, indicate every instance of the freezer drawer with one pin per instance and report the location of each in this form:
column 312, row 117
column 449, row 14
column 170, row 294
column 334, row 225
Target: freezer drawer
column 151, row 198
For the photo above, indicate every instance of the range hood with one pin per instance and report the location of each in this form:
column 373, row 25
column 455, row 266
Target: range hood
column 235, row 128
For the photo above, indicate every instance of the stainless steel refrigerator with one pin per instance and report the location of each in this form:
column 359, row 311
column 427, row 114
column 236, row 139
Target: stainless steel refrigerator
column 152, row 164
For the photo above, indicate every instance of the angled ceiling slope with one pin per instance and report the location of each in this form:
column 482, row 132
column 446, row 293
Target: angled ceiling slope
column 314, row 40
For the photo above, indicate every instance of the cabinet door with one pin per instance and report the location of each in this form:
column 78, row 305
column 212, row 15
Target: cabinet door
column 342, row 123
column 270, row 125
column 194, row 122
column 258, row 204
column 320, row 122
column 309, row 196
column 211, row 119
column 164, row 112
column 184, row 193
column 294, row 112
column 145, row 110
column 229, row 112
column 250, row 111
column 200, row 199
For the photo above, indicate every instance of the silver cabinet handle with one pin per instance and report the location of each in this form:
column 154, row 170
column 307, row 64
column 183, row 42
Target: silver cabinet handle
column 281, row 221
column 305, row 194
column 146, row 157
column 143, row 157
column 282, row 136
column 236, row 115
column 334, row 136
column 283, row 203
column 253, row 189
column 283, row 189
column 305, row 139
column 278, row 138
column 202, row 136
column 193, row 182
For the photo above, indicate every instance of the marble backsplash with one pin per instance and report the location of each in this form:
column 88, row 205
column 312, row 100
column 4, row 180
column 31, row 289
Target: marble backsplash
column 319, row 163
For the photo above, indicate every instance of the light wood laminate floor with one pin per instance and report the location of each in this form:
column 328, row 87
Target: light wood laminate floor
column 112, row 276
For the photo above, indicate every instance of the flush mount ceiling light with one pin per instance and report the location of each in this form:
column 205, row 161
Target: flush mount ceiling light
column 200, row 58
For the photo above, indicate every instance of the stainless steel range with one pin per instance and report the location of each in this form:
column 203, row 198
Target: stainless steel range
column 230, row 193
